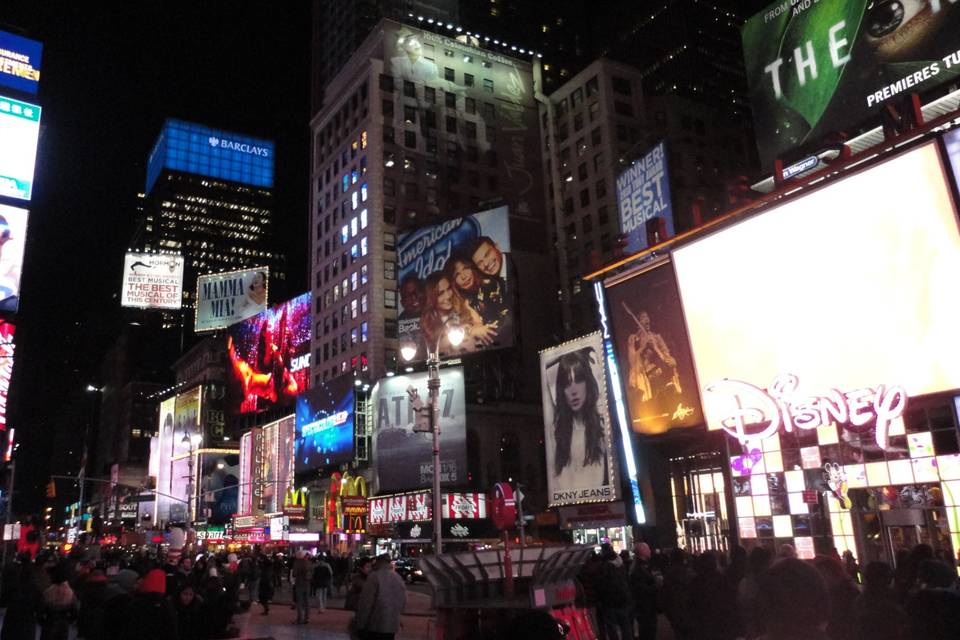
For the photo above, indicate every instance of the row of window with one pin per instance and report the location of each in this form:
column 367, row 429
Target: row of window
column 331, row 134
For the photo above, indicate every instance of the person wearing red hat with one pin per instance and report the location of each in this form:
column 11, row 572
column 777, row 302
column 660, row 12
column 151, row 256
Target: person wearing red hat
column 150, row 616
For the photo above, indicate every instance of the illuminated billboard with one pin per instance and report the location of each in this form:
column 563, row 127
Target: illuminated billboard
column 7, row 331
column 269, row 357
column 656, row 368
column 456, row 273
column 643, row 193
column 325, row 416
column 195, row 148
column 13, row 240
column 403, row 458
column 19, row 130
column 951, row 140
column 847, row 293
column 225, row 298
column 820, row 67
column 581, row 465
column 152, row 281
column 19, row 62
column 489, row 95
column 179, row 420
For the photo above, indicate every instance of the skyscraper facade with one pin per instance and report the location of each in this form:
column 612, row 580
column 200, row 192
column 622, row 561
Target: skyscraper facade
column 209, row 196
column 417, row 128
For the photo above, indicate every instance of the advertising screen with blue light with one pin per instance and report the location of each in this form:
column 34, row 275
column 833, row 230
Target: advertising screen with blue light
column 19, row 62
column 195, row 148
column 19, row 130
column 643, row 193
column 325, row 416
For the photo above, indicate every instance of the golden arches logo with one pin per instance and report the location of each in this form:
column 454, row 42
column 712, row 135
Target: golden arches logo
column 295, row 498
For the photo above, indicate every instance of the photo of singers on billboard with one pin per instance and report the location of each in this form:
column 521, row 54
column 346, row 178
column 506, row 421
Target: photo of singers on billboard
column 455, row 274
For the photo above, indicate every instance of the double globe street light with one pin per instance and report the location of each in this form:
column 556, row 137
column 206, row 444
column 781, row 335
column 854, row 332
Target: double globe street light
column 408, row 351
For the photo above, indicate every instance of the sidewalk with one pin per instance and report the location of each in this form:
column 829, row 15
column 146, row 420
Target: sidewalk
column 418, row 603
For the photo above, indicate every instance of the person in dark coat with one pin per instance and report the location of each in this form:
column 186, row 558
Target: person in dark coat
column 841, row 625
column 877, row 612
column 96, row 592
column 714, row 611
column 265, row 588
column 933, row 611
column 189, row 608
column 614, row 591
column 793, row 602
column 643, row 588
column 23, row 603
column 676, row 594
column 150, row 616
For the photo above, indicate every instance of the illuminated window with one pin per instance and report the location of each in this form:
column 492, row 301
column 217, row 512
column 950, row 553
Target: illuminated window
column 353, row 314
column 363, row 300
column 353, row 253
column 354, row 283
column 354, row 201
column 363, row 218
column 354, row 176
column 390, row 270
column 344, row 234
column 363, row 274
column 363, row 332
column 363, row 192
column 346, row 182
column 363, row 139
column 363, row 246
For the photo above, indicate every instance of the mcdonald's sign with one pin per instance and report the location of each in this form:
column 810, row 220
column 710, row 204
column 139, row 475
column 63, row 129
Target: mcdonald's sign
column 295, row 504
column 344, row 498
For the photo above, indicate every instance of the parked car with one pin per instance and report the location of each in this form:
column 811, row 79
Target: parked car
column 408, row 570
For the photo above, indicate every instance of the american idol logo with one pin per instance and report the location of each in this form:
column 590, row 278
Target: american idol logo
column 749, row 413
column 427, row 250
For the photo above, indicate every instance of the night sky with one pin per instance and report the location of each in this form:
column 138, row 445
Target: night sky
column 111, row 74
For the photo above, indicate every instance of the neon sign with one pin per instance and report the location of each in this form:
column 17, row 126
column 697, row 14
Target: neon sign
column 751, row 413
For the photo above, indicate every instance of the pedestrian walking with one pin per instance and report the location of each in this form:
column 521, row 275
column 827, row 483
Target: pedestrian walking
column 644, row 589
column 320, row 582
column 301, row 575
column 381, row 602
column 58, row 606
column 265, row 588
column 150, row 616
column 357, row 580
column 614, row 592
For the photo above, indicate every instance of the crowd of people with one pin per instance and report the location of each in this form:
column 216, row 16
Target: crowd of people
column 192, row 597
column 770, row 595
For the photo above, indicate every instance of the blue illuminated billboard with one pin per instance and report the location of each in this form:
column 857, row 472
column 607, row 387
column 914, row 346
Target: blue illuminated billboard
column 643, row 193
column 195, row 148
column 19, row 62
column 325, row 416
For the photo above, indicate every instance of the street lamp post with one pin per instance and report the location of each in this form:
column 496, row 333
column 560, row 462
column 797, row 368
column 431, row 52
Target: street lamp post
column 455, row 335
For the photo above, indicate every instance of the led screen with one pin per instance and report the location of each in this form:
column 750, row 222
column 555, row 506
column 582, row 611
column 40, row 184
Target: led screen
column 19, row 130
column 19, row 62
column 850, row 287
column 179, row 419
column 581, row 466
column 152, row 281
column 269, row 357
column 818, row 67
column 403, row 457
column 195, row 148
column 325, row 416
column 13, row 240
column 226, row 298
column 455, row 273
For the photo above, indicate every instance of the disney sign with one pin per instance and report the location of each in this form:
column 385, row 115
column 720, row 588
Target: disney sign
column 749, row 413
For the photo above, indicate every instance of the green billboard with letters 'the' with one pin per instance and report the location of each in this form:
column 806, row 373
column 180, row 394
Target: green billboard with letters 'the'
column 815, row 67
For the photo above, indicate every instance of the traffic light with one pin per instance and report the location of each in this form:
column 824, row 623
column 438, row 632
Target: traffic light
column 51, row 489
